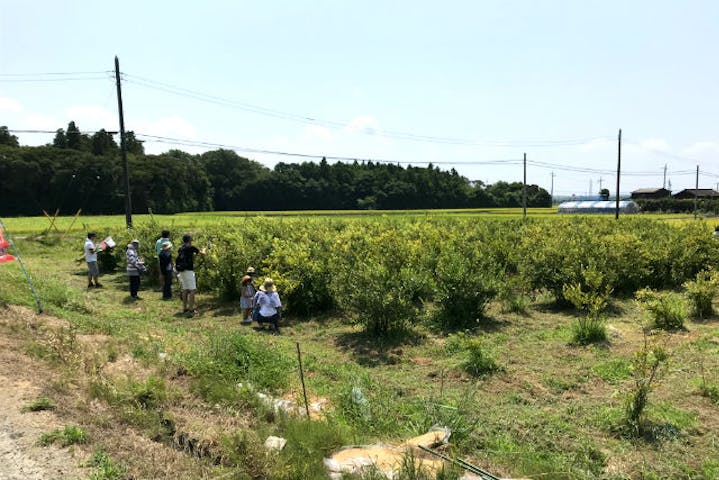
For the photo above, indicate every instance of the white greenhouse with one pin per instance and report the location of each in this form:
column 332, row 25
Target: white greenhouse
column 604, row 206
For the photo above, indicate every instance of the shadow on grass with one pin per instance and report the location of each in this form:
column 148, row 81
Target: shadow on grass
column 371, row 350
column 486, row 324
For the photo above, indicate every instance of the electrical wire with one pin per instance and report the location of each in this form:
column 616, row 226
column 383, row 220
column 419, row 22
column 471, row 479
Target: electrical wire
column 41, row 74
column 193, row 143
column 184, row 92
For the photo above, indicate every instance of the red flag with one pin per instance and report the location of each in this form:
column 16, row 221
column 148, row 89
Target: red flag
column 4, row 257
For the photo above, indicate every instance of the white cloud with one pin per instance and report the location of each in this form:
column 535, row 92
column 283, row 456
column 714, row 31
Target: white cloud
column 10, row 105
column 170, row 127
column 650, row 145
column 318, row 132
column 92, row 117
column 709, row 150
column 597, row 145
column 363, row 123
column 39, row 121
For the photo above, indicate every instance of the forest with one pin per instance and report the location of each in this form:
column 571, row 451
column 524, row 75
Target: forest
column 82, row 171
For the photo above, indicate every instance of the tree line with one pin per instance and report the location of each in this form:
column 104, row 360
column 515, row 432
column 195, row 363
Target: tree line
column 84, row 171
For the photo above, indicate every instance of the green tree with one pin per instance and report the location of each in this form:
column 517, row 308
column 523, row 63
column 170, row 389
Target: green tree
column 132, row 144
column 102, row 143
column 6, row 138
column 76, row 139
column 60, row 140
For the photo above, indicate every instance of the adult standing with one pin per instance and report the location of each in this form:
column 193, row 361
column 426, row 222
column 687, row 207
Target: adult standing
column 164, row 237
column 270, row 306
column 166, row 272
column 135, row 266
column 93, row 271
column 185, row 265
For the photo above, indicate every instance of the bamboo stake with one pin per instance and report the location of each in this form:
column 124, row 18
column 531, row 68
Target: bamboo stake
column 302, row 377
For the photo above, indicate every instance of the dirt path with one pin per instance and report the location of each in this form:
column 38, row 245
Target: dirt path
column 21, row 458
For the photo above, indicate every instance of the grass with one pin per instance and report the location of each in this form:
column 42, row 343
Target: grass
column 547, row 412
column 42, row 403
column 70, row 435
column 104, row 468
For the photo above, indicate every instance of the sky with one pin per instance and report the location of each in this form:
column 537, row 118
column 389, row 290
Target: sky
column 470, row 85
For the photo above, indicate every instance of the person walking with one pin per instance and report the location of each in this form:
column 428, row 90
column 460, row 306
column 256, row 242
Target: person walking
column 166, row 270
column 247, row 294
column 184, row 264
column 93, row 271
column 135, row 266
column 269, row 304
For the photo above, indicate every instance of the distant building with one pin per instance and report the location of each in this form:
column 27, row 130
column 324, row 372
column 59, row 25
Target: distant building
column 690, row 193
column 651, row 193
column 625, row 206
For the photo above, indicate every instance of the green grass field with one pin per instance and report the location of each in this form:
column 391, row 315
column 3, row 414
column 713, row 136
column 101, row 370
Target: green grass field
column 143, row 381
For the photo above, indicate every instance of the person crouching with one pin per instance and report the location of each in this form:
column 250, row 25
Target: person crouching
column 269, row 304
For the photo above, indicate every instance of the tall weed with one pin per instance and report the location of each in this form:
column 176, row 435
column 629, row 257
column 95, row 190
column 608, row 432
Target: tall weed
column 701, row 293
column 667, row 310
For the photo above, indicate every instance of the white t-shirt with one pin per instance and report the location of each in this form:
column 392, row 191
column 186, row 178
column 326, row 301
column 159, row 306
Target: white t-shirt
column 90, row 245
column 269, row 302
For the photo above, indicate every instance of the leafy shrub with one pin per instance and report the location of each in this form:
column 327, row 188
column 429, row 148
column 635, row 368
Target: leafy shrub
column 666, row 309
column 297, row 267
column 701, row 293
column 648, row 364
column 376, row 278
column 231, row 357
column 466, row 283
column 590, row 298
column 478, row 362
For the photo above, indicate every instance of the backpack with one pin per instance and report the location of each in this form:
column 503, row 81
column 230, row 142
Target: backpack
column 180, row 264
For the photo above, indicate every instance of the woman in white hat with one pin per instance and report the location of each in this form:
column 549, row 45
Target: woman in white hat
column 135, row 266
column 268, row 303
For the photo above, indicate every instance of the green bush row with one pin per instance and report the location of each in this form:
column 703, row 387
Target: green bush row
column 389, row 271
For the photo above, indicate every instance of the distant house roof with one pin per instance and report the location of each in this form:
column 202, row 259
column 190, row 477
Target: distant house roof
column 649, row 190
column 697, row 192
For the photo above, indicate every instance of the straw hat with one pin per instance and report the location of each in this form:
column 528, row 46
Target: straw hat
column 250, row 271
column 166, row 245
column 268, row 286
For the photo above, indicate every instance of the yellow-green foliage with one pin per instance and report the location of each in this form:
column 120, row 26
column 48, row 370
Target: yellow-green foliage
column 390, row 268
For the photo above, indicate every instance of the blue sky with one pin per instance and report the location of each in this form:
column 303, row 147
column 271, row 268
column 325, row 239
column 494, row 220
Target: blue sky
column 477, row 81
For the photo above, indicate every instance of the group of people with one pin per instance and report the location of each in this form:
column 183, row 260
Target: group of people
column 261, row 305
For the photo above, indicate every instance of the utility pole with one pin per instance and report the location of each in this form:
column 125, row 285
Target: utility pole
column 696, row 193
column 591, row 188
column 664, row 185
column 524, row 190
column 123, row 148
column 551, row 189
column 619, row 171
column 600, row 183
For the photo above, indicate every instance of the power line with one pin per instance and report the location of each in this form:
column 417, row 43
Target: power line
column 63, row 79
column 184, row 92
column 197, row 143
column 245, row 149
column 54, row 76
column 40, row 74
